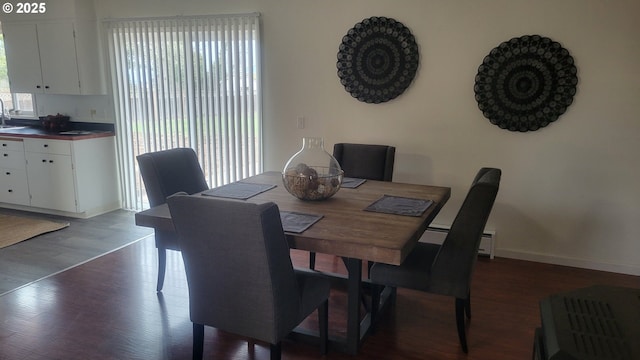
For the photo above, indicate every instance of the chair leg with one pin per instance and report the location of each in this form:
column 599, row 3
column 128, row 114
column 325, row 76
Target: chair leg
column 198, row 341
column 323, row 326
column 312, row 260
column 467, row 306
column 460, row 309
column 162, row 266
column 276, row 351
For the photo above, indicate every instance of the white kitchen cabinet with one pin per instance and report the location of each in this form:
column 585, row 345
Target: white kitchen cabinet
column 13, row 175
column 50, row 175
column 72, row 177
column 23, row 57
column 60, row 57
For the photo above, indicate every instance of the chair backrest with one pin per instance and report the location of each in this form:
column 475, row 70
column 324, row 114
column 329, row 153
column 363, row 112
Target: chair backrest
column 238, row 266
column 373, row 162
column 167, row 172
column 452, row 269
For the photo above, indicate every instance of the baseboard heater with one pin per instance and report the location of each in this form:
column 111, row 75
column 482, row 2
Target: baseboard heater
column 436, row 234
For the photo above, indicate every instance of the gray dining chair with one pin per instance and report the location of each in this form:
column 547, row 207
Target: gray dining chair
column 239, row 272
column 447, row 269
column 165, row 173
column 363, row 161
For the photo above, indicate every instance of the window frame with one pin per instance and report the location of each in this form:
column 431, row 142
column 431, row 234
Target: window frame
column 15, row 101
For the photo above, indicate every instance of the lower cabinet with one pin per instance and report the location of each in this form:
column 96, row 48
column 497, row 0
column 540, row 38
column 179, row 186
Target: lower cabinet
column 68, row 177
column 13, row 174
column 13, row 187
column 51, row 181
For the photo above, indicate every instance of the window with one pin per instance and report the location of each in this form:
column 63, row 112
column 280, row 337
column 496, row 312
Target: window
column 187, row 82
column 15, row 104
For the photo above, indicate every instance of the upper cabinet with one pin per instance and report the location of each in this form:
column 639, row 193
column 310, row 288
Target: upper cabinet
column 54, row 55
column 23, row 58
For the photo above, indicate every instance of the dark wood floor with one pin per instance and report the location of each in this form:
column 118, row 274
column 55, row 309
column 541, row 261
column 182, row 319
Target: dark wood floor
column 108, row 309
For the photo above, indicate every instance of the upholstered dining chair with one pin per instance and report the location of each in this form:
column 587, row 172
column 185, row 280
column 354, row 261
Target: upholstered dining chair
column 363, row 161
column 447, row 269
column 239, row 272
column 165, row 173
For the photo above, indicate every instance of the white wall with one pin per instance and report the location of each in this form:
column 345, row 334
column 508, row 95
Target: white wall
column 570, row 191
column 86, row 108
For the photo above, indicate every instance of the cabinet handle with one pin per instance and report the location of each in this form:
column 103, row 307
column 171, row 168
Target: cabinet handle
column 5, row 155
column 50, row 161
column 3, row 144
column 44, row 160
column 46, row 86
column 10, row 190
column 46, row 145
column 38, row 86
column 8, row 173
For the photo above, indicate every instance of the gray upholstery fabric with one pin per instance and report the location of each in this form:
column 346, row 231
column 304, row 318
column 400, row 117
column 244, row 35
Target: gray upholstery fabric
column 165, row 173
column 447, row 269
column 170, row 171
column 373, row 162
column 239, row 270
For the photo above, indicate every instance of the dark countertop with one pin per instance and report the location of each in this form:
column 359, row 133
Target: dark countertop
column 76, row 130
column 29, row 132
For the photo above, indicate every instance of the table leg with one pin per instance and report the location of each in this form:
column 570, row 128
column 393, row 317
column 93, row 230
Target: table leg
column 354, row 293
column 358, row 327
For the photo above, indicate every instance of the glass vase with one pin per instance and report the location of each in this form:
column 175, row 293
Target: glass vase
column 312, row 173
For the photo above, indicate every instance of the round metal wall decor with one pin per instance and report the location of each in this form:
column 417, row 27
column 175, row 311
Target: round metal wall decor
column 526, row 83
column 377, row 60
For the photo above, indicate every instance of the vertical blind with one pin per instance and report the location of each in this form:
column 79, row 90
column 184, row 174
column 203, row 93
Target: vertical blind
column 187, row 82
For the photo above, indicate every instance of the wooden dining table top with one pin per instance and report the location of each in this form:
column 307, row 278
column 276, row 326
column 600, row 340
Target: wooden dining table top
column 345, row 228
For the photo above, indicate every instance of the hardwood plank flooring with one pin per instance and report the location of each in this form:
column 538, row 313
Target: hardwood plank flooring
column 108, row 309
column 83, row 240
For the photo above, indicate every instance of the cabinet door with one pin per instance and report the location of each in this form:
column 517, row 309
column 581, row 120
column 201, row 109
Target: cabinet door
column 23, row 57
column 42, row 58
column 58, row 58
column 51, row 181
column 12, row 159
column 13, row 187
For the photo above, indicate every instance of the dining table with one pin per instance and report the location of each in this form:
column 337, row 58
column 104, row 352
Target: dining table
column 349, row 226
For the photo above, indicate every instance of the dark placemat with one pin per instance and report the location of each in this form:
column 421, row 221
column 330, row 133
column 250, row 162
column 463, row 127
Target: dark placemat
column 351, row 183
column 296, row 222
column 400, row 205
column 238, row 190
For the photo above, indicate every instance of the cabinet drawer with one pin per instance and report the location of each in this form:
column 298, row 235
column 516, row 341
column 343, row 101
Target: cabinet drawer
column 61, row 147
column 12, row 159
column 11, row 144
column 13, row 187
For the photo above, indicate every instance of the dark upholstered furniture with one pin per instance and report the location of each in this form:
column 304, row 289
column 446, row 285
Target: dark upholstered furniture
column 373, row 162
column 363, row 161
column 165, row 173
column 447, row 269
column 239, row 271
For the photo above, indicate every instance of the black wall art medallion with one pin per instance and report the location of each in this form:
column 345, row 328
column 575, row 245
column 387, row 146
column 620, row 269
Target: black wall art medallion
column 526, row 83
column 377, row 60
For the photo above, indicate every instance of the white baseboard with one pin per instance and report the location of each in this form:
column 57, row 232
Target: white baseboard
column 436, row 233
column 81, row 215
column 567, row 261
